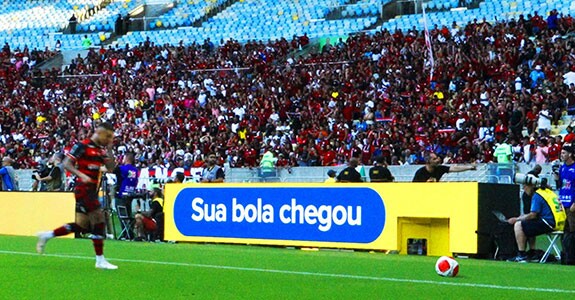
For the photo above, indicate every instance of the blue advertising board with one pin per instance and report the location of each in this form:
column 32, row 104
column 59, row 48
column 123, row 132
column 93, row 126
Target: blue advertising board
column 293, row 213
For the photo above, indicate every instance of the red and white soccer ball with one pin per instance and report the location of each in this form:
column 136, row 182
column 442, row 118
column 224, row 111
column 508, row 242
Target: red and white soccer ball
column 447, row 266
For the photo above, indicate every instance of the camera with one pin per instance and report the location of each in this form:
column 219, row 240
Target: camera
column 41, row 171
column 556, row 165
column 529, row 179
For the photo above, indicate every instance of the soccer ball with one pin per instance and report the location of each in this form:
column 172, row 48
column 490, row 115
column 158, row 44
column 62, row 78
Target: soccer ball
column 447, row 266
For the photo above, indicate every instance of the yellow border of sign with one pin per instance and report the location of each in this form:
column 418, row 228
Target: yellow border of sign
column 455, row 202
column 26, row 213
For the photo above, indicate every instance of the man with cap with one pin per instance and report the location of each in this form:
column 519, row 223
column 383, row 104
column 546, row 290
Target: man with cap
column 379, row 172
column 331, row 177
column 566, row 185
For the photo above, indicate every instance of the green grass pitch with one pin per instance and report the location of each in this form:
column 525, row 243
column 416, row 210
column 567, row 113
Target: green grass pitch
column 210, row 271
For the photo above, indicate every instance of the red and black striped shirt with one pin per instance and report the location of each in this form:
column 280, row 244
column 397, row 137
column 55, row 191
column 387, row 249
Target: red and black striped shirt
column 89, row 157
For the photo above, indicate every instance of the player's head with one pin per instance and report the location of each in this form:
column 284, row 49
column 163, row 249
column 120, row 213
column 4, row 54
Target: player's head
column 104, row 134
column 568, row 153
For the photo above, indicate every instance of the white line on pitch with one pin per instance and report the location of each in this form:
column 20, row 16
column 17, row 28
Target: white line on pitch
column 349, row 276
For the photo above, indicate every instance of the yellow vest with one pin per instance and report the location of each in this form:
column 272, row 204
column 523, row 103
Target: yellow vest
column 556, row 207
column 160, row 201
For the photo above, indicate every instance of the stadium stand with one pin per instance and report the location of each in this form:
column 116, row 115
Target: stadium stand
column 104, row 20
column 240, row 92
column 185, row 13
column 490, row 10
column 36, row 24
column 254, row 20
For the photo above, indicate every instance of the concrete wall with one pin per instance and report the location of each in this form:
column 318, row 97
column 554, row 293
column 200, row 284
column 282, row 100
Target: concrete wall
column 485, row 173
column 492, row 173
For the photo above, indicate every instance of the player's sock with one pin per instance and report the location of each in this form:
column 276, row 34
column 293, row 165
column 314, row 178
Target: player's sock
column 49, row 234
column 98, row 238
column 98, row 246
column 66, row 229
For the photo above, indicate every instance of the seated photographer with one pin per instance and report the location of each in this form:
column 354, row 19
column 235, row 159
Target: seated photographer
column 546, row 215
column 49, row 177
column 151, row 221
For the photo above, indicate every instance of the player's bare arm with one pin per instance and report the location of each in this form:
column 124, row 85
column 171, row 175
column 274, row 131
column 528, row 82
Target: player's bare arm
column 70, row 165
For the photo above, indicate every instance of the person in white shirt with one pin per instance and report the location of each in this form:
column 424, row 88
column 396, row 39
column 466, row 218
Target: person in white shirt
column 240, row 111
column 544, row 120
column 202, row 98
column 122, row 63
column 518, row 84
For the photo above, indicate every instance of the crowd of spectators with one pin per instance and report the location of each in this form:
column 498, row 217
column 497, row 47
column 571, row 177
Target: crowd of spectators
column 368, row 96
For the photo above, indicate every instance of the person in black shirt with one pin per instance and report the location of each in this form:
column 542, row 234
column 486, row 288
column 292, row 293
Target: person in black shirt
column 379, row 172
column 118, row 26
column 433, row 170
column 51, row 179
column 350, row 174
column 72, row 24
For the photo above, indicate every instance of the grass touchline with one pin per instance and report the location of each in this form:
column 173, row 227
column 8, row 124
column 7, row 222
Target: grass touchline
column 452, row 282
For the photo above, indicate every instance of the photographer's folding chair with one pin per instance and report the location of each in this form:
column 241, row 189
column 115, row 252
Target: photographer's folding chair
column 126, row 222
column 553, row 237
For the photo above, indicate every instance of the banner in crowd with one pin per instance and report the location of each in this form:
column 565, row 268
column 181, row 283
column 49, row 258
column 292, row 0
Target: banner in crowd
column 428, row 44
column 147, row 176
column 354, row 216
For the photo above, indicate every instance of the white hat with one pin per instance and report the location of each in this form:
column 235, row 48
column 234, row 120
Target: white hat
column 538, row 67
